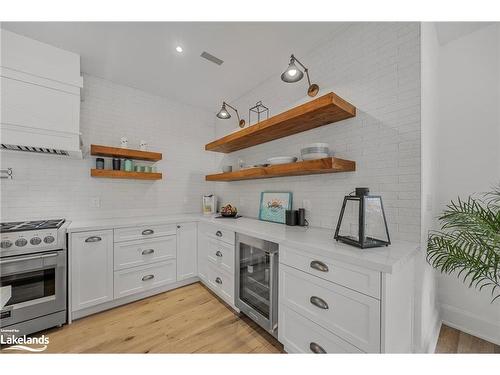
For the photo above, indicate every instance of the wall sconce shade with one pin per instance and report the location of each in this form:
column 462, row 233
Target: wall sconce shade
column 224, row 114
column 293, row 74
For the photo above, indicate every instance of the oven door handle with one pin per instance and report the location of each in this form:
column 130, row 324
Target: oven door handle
column 49, row 255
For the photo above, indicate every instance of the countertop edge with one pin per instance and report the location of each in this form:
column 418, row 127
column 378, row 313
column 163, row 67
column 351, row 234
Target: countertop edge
column 106, row 224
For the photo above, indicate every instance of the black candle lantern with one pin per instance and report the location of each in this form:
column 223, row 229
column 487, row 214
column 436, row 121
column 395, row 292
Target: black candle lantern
column 362, row 221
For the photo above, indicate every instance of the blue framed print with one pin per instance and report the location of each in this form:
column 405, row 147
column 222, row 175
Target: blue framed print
column 273, row 205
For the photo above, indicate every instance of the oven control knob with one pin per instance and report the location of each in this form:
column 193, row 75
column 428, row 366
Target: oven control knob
column 35, row 241
column 49, row 239
column 5, row 244
column 21, row 242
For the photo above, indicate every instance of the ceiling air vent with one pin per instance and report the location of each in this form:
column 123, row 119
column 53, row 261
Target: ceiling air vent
column 211, row 58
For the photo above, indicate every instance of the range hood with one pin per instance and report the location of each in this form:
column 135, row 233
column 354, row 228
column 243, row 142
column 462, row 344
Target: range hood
column 40, row 97
column 38, row 140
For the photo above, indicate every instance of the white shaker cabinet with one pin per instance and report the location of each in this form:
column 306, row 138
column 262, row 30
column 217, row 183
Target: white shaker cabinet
column 91, row 261
column 186, row 251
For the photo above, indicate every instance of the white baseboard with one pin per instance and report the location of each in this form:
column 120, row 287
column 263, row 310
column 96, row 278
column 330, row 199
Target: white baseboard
column 469, row 323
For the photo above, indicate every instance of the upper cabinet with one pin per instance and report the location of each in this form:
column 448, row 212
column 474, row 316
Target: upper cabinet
column 40, row 91
column 324, row 110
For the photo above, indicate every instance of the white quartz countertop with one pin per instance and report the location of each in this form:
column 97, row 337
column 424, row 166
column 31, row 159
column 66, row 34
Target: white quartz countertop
column 317, row 241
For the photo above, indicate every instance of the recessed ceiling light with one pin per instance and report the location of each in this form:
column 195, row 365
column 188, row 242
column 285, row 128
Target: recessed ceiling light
column 178, row 49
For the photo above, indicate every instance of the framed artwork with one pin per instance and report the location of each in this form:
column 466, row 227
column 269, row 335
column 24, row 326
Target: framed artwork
column 273, row 205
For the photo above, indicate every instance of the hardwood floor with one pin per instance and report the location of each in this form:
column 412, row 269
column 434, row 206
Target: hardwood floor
column 452, row 340
column 193, row 320
column 185, row 320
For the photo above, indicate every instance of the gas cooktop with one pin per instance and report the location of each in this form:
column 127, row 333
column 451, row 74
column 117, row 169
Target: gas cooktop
column 18, row 226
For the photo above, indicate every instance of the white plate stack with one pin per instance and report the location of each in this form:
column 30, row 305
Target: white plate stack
column 315, row 151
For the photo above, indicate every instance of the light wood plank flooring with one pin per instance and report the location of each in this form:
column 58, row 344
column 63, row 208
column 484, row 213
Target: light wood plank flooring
column 193, row 320
column 452, row 340
column 185, row 320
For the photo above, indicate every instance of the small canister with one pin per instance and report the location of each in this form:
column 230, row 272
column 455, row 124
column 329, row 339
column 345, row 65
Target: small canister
column 116, row 164
column 99, row 163
column 291, row 217
column 129, row 165
column 301, row 219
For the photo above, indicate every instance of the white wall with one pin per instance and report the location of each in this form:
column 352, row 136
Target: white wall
column 427, row 322
column 468, row 142
column 48, row 186
column 376, row 67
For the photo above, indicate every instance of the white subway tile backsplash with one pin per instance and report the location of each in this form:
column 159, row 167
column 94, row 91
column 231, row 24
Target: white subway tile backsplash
column 47, row 186
column 376, row 67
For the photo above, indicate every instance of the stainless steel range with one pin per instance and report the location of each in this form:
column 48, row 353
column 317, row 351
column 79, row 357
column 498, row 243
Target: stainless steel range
column 33, row 265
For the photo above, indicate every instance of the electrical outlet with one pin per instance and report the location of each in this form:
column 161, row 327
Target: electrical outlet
column 95, row 202
column 306, row 203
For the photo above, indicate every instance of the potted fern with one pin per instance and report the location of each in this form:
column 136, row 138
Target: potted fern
column 469, row 242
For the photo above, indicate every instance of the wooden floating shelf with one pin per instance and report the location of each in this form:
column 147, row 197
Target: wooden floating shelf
column 117, row 152
column 324, row 110
column 107, row 173
column 319, row 166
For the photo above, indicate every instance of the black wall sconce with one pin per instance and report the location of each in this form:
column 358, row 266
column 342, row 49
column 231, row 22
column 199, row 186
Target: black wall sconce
column 293, row 74
column 224, row 114
column 362, row 221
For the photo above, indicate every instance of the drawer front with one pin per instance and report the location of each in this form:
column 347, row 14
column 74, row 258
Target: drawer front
column 352, row 316
column 300, row 335
column 353, row 277
column 221, row 283
column 144, row 231
column 140, row 279
column 215, row 232
column 221, row 254
column 138, row 253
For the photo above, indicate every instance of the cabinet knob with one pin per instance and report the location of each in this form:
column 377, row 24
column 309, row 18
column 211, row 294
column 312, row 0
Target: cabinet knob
column 319, row 302
column 93, row 239
column 147, row 251
column 218, row 280
column 218, row 233
column 315, row 348
column 147, row 232
column 320, row 266
column 219, row 254
column 178, row 226
column 148, row 277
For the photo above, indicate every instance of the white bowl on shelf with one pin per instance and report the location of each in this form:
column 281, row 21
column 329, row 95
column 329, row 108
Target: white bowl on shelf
column 315, row 155
column 282, row 160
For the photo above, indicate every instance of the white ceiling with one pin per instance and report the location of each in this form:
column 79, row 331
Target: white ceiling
column 449, row 31
column 142, row 54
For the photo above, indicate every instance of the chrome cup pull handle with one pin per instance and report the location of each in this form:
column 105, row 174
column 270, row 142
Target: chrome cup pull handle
column 320, row 266
column 147, row 232
column 147, row 251
column 93, row 239
column 319, row 302
column 219, row 254
column 148, row 277
column 218, row 233
column 315, row 348
column 218, row 280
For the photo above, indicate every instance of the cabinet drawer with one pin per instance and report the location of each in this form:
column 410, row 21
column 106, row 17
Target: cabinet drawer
column 216, row 232
column 221, row 283
column 144, row 231
column 221, row 254
column 353, row 316
column 139, row 279
column 138, row 253
column 300, row 335
column 353, row 277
